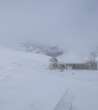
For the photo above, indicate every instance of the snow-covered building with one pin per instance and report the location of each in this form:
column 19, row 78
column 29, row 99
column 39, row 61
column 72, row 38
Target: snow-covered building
column 88, row 65
column 73, row 61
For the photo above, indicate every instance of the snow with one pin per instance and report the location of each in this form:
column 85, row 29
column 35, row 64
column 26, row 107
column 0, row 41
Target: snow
column 72, row 57
column 26, row 83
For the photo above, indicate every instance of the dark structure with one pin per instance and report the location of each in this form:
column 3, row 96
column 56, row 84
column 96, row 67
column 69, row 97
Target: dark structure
column 82, row 66
column 89, row 65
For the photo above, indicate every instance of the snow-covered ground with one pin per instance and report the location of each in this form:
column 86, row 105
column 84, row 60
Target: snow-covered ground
column 27, row 84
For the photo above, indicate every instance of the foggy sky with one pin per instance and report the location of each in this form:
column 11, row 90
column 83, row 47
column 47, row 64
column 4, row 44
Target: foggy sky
column 69, row 23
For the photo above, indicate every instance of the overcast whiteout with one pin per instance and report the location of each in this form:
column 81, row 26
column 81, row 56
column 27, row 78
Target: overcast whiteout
column 42, row 42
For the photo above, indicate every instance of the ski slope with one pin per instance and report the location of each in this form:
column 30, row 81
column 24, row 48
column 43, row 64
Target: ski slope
column 27, row 84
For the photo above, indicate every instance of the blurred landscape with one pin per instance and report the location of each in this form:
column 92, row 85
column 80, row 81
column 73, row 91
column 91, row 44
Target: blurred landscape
column 48, row 55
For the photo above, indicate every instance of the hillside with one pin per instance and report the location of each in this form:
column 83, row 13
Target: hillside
column 27, row 84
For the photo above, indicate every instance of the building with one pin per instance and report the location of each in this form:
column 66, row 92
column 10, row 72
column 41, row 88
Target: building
column 82, row 66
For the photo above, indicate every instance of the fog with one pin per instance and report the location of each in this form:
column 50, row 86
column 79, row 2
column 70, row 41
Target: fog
column 71, row 24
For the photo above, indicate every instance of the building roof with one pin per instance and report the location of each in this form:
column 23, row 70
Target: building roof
column 72, row 58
